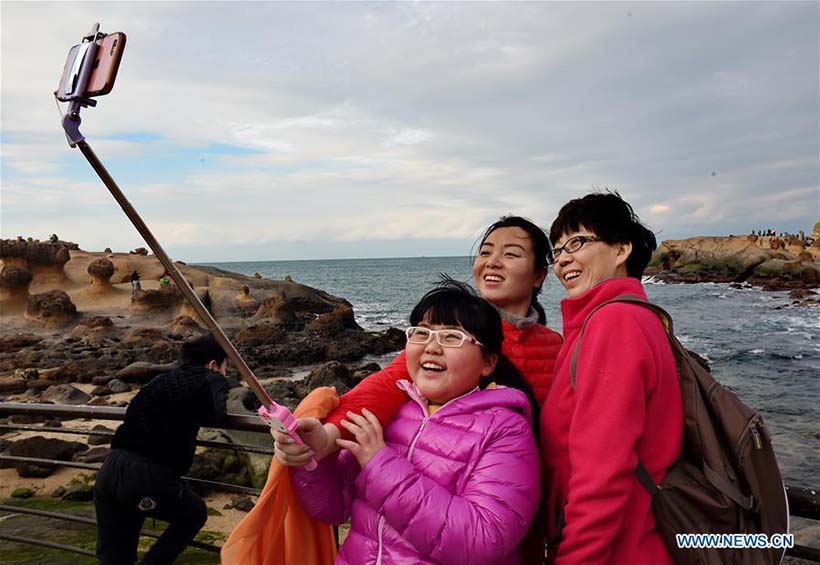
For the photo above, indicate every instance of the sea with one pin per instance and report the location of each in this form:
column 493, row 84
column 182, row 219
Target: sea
column 758, row 343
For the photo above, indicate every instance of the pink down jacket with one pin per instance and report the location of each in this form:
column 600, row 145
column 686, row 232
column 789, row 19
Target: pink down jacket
column 460, row 486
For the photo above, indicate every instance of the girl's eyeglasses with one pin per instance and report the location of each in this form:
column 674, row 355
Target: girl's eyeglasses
column 572, row 245
column 445, row 338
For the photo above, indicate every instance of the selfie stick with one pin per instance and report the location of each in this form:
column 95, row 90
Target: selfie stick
column 71, row 125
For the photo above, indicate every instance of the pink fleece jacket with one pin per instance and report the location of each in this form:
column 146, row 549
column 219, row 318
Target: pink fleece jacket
column 460, row 486
column 626, row 405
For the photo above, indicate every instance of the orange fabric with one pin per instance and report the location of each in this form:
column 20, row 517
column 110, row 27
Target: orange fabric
column 277, row 531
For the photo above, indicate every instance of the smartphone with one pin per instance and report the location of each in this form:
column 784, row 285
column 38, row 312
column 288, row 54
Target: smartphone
column 104, row 69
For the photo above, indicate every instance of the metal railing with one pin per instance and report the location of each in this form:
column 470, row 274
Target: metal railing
column 804, row 502
column 237, row 422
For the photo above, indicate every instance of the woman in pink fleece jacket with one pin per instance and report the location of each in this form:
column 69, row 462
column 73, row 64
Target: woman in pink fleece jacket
column 625, row 404
column 455, row 477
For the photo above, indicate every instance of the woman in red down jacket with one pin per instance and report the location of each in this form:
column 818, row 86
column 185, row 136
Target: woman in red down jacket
column 625, row 403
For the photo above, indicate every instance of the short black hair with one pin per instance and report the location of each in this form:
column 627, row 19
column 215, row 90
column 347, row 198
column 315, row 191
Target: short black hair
column 200, row 351
column 611, row 218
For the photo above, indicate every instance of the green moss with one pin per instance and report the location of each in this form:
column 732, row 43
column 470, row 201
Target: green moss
column 210, row 536
column 84, row 479
column 59, row 531
column 78, row 535
column 213, row 512
column 50, row 504
column 691, row 269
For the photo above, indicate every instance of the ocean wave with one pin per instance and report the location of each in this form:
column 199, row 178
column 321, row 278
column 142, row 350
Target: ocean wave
column 651, row 280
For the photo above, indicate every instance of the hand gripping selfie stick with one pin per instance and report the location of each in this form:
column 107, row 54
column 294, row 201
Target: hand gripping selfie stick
column 73, row 90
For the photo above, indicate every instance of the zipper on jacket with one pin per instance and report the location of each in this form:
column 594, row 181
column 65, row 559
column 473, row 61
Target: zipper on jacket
column 751, row 432
column 756, row 437
column 379, row 555
column 416, row 438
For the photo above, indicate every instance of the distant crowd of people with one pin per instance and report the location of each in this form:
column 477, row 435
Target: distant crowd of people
column 787, row 237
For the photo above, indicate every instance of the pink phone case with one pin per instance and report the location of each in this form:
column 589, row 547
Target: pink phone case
column 280, row 419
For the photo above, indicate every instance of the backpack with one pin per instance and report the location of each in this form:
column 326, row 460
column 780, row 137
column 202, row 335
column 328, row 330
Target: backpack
column 727, row 480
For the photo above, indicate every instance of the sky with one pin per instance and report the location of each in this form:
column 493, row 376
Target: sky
column 267, row 131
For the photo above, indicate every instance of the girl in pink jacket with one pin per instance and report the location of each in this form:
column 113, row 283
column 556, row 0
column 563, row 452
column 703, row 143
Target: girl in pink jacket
column 455, row 477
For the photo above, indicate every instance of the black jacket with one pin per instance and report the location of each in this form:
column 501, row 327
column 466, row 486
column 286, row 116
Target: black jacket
column 163, row 419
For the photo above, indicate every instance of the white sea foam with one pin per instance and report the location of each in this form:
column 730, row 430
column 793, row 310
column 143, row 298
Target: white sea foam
column 757, row 351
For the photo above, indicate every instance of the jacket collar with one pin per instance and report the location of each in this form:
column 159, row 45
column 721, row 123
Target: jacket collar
column 470, row 401
column 518, row 322
column 575, row 310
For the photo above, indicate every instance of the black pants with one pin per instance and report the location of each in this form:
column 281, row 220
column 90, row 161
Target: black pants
column 129, row 488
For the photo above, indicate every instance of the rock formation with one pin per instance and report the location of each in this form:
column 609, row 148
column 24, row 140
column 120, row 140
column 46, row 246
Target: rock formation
column 52, row 309
column 101, row 272
column 279, row 311
column 185, row 327
column 14, row 283
column 768, row 262
column 155, row 301
column 278, row 326
column 44, row 260
column 245, row 301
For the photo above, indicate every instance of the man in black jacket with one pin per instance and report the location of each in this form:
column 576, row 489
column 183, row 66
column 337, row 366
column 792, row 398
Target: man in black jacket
column 152, row 448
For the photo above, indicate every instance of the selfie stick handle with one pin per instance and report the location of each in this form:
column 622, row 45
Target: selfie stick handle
column 176, row 275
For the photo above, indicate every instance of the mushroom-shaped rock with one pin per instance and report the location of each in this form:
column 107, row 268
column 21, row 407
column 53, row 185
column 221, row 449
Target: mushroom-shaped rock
column 140, row 251
column 14, row 283
column 101, row 272
column 53, row 308
column 246, row 302
column 45, row 260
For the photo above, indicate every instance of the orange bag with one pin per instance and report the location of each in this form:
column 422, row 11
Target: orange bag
column 277, row 531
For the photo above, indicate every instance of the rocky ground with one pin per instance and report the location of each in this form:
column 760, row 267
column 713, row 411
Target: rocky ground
column 769, row 262
column 72, row 332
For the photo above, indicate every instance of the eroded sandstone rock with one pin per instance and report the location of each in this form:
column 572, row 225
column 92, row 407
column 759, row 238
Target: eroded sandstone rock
column 101, row 272
column 14, row 285
column 52, row 309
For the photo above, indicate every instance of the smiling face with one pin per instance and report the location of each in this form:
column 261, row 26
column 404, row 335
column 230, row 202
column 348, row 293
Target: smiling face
column 594, row 262
column 444, row 373
column 504, row 270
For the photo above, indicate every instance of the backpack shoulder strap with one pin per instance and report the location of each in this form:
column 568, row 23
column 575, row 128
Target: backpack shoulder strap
column 643, row 476
column 666, row 319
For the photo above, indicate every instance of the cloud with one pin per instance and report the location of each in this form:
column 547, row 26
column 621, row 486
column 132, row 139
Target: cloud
column 365, row 126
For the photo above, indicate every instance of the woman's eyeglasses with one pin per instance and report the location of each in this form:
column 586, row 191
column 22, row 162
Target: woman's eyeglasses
column 572, row 245
column 445, row 338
